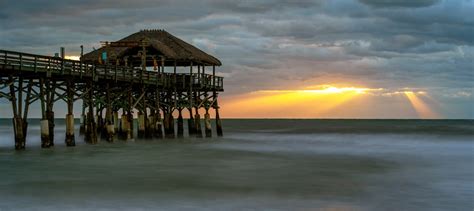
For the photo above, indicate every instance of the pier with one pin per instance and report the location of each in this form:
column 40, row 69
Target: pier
column 135, row 74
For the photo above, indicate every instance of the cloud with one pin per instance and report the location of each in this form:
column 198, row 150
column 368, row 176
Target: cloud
column 399, row 3
column 274, row 44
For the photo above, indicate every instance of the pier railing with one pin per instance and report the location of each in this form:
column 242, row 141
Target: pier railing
column 18, row 62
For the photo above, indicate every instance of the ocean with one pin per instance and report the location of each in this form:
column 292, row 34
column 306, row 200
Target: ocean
column 266, row 164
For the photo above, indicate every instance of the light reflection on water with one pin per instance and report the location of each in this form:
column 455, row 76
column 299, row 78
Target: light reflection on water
column 252, row 168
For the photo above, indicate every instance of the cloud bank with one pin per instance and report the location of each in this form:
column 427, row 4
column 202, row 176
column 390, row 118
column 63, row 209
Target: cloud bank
column 279, row 44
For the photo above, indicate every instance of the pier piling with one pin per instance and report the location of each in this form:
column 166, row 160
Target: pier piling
column 207, row 124
column 180, row 123
column 197, row 124
column 70, row 139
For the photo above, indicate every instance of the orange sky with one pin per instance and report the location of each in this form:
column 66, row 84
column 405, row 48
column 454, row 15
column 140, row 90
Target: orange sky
column 326, row 101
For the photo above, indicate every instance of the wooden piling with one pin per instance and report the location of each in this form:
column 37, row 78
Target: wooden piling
column 82, row 120
column 91, row 129
column 158, row 125
column 124, row 125
column 218, row 123
column 207, row 124
column 116, row 121
column 44, row 123
column 197, row 124
column 141, row 125
column 150, row 125
column 20, row 139
column 130, row 116
column 70, row 139
column 191, row 125
column 50, row 95
column 171, row 122
column 109, row 116
column 158, row 121
column 180, row 124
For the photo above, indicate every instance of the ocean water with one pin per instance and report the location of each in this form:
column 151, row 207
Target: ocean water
column 258, row 165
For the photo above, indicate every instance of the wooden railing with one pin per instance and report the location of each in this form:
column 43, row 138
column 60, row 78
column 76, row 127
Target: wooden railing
column 55, row 66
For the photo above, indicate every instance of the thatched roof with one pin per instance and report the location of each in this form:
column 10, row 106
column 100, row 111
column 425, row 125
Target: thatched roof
column 160, row 44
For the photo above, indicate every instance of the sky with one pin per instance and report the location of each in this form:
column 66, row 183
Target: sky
column 285, row 58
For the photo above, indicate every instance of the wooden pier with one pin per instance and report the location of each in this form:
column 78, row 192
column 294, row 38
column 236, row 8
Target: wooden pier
column 135, row 74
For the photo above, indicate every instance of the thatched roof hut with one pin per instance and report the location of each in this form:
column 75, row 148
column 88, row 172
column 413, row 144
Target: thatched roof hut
column 160, row 46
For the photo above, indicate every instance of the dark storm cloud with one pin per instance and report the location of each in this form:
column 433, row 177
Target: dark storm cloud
column 269, row 43
column 399, row 3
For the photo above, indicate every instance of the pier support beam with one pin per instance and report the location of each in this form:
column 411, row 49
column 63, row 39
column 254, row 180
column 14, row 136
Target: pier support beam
column 109, row 116
column 197, row 123
column 19, row 128
column 150, row 124
column 207, row 124
column 191, row 126
column 158, row 121
column 129, row 116
column 44, row 123
column 91, row 128
column 180, row 123
column 124, row 125
column 50, row 116
column 116, row 121
column 82, row 121
column 141, row 125
column 158, row 125
column 50, row 92
column 70, row 139
column 169, row 124
column 110, row 127
column 20, row 111
column 218, row 123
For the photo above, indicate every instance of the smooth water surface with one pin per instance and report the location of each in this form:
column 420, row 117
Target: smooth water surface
column 258, row 165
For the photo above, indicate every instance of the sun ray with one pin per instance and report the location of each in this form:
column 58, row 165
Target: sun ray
column 423, row 110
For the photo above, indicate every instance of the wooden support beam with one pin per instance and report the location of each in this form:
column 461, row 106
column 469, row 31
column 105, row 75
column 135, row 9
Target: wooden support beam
column 70, row 139
column 44, row 123
column 129, row 116
column 169, row 124
column 141, row 124
column 50, row 93
column 218, row 120
column 207, row 123
column 197, row 124
column 18, row 121
column 109, row 118
column 180, row 124
column 82, row 121
column 158, row 120
column 91, row 129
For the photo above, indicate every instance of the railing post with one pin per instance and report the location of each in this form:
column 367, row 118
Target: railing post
column 213, row 76
column 48, row 73
column 21, row 61
column 35, row 65
column 62, row 66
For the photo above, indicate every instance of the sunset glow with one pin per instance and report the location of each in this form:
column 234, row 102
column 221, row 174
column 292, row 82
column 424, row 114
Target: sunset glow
column 76, row 58
column 423, row 110
column 327, row 101
column 301, row 103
